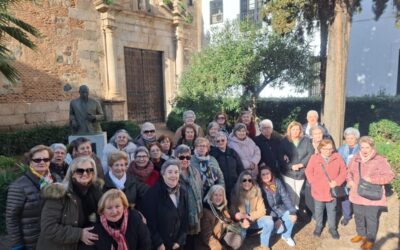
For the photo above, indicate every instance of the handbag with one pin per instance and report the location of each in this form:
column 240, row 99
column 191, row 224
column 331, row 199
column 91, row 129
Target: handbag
column 233, row 236
column 368, row 190
column 338, row 191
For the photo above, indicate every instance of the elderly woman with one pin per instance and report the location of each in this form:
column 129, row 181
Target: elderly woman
column 324, row 171
column 282, row 210
column 212, row 130
column 58, row 166
column 207, row 165
column 222, row 120
column 373, row 169
column 82, row 146
column 166, row 146
column 312, row 121
column 348, row 150
column 248, row 208
column 190, row 179
column 142, row 168
column 228, row 160
column 120, row 141
column 247, row 118
column 189, row 117
column 24, row 202
column 119, row 227
column 294, row 152
column 147, row 135
column 70, row 207
column 269, row 141
column 117, row 178
column 189, row 135
column 166, row 208
column 217, row 227
column 156, row 155
column 248, row 151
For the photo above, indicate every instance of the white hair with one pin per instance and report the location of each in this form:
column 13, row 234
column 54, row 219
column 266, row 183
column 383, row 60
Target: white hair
column 352, row 131
column 267, row 122
column 312, row 112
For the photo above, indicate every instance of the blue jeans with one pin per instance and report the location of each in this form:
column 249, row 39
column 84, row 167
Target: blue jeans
column 346, row 208
column 288, row 225
column 267, row 225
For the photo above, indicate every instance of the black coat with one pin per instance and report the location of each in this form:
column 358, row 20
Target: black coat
column 270, row 149
column 23, row 209
column 137, row 235
column 299, row 154
column 231, row 166
column 167, row 223
column 134, row 189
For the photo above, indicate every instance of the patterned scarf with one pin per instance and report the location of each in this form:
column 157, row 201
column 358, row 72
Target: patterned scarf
column 365, row 159
column 117, row 234
column 194, row 201
column 143, row 173
column 43, row 179
column 208, row 177
column 271, row 186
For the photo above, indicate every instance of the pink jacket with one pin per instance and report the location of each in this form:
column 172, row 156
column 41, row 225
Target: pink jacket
column 248, row 151
column 377, row 168
column 336, row 169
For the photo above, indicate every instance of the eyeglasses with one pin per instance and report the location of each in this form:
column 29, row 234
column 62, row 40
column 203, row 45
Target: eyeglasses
column 149, row 131
column 81, row 171
column 120, row 164
column 142, row 156
column 221, row 118
column 39, row 160
column 182, row 157
column 218, row 141
column 327, row 149
column 247, row 180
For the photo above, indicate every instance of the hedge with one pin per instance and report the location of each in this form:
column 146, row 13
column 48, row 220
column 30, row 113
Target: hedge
column 19, row 142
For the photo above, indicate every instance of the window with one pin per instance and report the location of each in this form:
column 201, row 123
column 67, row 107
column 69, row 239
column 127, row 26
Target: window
column 250, row 10
column 216, row 11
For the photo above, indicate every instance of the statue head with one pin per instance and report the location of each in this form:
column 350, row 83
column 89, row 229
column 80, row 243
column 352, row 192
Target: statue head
column 84, row 92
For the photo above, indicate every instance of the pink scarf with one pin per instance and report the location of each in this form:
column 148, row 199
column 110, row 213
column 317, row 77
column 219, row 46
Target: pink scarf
column 143, row 173
column 117, row 234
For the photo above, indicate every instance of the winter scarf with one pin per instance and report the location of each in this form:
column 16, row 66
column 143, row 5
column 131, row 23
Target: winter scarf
column 208, row 177
column 43, row 179
column 142, row 174
column 117, row 234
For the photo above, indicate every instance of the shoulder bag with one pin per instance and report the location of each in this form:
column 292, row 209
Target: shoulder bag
column 338, row 191
column 368, row 190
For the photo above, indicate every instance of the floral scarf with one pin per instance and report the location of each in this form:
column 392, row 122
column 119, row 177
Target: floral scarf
column 43, row 179
column 117, row 234
column 208, row 177
column 270, row 186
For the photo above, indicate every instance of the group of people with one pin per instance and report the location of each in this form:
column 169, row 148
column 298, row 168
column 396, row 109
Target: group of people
column 213, row 188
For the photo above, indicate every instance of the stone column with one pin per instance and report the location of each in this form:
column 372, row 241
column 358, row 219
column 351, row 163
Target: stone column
column 179, row 51
column 110, row 45
column 335, row 93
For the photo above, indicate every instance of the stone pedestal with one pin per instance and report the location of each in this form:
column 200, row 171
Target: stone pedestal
column 98, row 141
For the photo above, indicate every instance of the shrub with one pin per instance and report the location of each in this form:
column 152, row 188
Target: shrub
column 8, row 173
column 385, row 131
column 19, row 142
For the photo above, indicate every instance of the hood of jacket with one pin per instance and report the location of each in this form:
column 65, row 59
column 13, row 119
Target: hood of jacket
column 58, row 190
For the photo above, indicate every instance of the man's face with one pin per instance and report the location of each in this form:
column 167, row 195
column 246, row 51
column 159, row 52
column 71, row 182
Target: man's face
column 84, row 93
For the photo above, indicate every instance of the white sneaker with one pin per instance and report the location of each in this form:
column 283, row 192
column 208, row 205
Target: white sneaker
column 289, row 241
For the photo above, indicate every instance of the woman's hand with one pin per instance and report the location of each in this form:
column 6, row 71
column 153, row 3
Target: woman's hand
column 332, row 184
column 175, row 246
column 252, row 166
column 240, row 216
column 293, row 218
column 350, row 184
column 286, row 158
column 161, row 247
column 87, row 237
column 245, row 224
column 367, row 178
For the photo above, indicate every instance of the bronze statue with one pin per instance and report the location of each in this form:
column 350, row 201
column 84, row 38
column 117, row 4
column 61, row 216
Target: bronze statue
column 85, row 114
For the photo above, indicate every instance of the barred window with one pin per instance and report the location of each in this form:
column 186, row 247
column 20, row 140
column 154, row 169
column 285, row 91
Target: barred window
column 216, row 11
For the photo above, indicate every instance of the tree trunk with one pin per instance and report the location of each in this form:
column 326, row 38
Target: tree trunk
column 324, row 12
column 335, row 94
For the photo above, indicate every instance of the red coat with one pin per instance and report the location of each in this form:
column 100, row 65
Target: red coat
column 378, row 169
column 336, row 169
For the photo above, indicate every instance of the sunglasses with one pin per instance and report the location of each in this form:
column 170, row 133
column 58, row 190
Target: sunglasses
column 39, row 160
column 247, row 180
column 81, row 171
column 149, row 131
column 218, row 141
column 182, row 157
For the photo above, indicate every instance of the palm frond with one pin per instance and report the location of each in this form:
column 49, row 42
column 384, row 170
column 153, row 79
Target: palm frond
column 10, row 72
column 18, row 35
column 6, row 17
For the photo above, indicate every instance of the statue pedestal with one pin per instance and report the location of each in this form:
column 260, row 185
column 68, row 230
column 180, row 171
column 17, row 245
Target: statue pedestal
column 98, row 141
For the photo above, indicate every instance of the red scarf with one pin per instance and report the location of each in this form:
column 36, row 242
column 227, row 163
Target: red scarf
column 117, row 234
column 251, row 130
column 142, row 174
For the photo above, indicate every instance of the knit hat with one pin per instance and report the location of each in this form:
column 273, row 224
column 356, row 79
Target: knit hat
column 147, row 126
column 238, row 126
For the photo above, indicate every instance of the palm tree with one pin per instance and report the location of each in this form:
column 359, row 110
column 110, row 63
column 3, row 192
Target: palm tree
column 16, row 29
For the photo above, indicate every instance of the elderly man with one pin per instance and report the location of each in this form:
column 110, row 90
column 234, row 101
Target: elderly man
column 147, row 135
column 58, row 166
column 189, row 117
column 268, row 142
column 85, row 113
column 312, row 121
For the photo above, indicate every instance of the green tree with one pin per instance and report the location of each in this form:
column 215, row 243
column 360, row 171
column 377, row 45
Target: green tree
column 242, row 60
column 10, row 26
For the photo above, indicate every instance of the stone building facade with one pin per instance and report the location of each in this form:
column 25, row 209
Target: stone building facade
column 127, row 51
